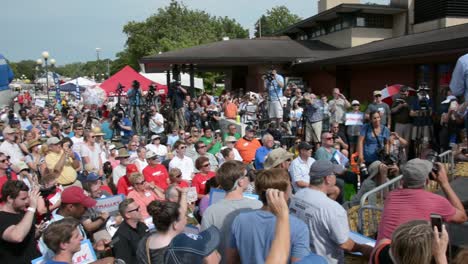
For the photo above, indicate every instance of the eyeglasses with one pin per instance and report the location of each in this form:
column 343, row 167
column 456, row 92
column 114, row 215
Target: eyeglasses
column 378, row 95
column 178, row 176
column 201, row 146
column 182, row 147
column 134, row 210
column 5, row 160
column 205, row 165
column 140, row 183
column 329, row 138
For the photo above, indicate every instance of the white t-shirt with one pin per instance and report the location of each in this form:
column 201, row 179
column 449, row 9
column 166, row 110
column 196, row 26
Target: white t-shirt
column 12, row 150
column 160, row 150
column 153, row 126
column 141, row 164
column 185, row 165
column 93, row 155
column 77, row 143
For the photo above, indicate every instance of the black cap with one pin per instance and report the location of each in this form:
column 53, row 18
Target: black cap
column 304, row 145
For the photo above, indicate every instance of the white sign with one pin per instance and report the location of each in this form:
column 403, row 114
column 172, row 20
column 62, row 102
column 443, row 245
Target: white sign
column 353, row 119
column 192, row 195
column 40, row 103
column 84, row 256
column 109, row 204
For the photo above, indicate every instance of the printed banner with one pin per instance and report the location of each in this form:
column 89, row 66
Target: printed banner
column 353, row 119
column 109, row 204
column 40, row 103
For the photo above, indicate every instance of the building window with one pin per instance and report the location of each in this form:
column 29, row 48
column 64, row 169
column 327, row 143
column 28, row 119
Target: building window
column 360, row 22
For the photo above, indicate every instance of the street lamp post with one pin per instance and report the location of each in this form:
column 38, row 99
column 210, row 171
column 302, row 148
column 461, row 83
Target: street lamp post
column 45, row 56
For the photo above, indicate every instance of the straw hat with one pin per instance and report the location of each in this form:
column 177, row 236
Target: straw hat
column 33, row 143
column 97, row 131
column 123, row 153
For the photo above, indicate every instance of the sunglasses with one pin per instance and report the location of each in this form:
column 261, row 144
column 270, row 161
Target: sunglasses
column 202, row 147
column 178, row 176
column 205, row 165
column 5, row 160
column 182, row 147
column 329, row 138
column 378, row 95
column 140, row 183
column 134, row 210
column 154, row 158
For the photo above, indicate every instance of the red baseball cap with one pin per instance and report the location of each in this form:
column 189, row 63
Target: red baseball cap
column 76, row 195
column 131, row 168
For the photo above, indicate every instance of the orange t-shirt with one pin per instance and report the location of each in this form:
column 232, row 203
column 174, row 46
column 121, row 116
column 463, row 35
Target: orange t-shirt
column 230, row 111
column 247, row 149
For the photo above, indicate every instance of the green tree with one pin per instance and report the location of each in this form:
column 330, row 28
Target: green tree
column 174, row 27
column 26, row 67
column 275, row 19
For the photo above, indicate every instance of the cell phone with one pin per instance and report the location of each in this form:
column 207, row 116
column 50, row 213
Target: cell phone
column 436, row 220
column 114, row 241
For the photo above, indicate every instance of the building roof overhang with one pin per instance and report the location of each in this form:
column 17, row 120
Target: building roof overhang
column 442, row 41
column 240, row 52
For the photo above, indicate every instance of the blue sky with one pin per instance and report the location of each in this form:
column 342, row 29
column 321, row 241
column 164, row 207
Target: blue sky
column 72, row 30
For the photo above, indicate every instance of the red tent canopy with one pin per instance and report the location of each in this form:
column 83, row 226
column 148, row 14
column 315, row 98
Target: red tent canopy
column 125, row 77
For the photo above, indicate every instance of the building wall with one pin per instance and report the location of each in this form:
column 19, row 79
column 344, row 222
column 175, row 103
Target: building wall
column 399, row 24
column 365, row 79
column 324, row 5
column 340, row 39
column 352, row 37
column 362, row 36
column 320, row 81
column 438, row 24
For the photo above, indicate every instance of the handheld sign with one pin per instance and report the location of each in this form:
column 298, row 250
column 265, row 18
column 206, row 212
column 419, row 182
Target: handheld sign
column 109, row 204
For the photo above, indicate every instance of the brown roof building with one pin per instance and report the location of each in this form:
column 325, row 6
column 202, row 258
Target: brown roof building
column 357, row 47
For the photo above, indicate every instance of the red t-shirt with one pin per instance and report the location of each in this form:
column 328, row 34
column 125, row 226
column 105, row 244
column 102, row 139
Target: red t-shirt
column 157, row 174
column 4, row 178
column 106, row 188
column 124, row 186
column 199, row 181
column 406, row 205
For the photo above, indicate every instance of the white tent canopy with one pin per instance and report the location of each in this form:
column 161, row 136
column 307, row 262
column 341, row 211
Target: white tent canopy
column 184, row 77
column 82, row 82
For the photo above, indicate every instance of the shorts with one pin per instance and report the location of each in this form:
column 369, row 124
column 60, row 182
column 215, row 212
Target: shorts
column 275, row 110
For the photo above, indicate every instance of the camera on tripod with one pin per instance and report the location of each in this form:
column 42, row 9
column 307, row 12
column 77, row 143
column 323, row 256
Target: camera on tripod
column 269, row 76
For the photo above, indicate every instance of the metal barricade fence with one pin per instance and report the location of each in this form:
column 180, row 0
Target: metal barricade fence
column 447, row 159
column 371, row 206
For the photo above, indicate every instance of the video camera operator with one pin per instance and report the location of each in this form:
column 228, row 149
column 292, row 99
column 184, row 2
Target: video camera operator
column 274, row 84
column 177, row 95
column 421, row 112
column 122, row 126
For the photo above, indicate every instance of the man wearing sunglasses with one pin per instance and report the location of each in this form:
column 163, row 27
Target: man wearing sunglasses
column 130, row 232
column 155, row 173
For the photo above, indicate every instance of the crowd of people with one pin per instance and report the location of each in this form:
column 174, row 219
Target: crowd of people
column 195, row 191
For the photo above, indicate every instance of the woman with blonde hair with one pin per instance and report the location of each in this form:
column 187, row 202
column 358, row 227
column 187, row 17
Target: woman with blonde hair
column 143, row 193
column 414, row 242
